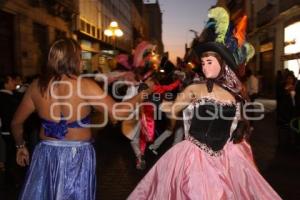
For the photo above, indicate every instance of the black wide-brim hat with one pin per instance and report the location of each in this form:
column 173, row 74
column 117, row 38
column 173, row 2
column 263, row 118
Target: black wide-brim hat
column 219, row 48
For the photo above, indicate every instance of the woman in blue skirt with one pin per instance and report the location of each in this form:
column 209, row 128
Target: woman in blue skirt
column 63, row 163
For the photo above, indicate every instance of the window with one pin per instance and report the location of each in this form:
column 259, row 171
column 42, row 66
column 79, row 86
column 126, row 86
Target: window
column 88, row 28
column 94, row 31
column 292, row 46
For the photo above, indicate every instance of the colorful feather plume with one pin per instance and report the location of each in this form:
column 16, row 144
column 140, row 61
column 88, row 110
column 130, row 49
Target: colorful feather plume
column 139, row 53
column 240, row 30
column 230, row 40
column 123, row 59
column 233, row 36
column 221, row 18
column 220, row 29
column 250, row 51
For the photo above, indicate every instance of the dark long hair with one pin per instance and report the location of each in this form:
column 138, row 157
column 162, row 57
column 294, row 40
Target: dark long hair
column 228, row 80
column 63, row 59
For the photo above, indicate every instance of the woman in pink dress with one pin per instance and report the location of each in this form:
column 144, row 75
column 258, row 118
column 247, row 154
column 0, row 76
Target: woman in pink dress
column 214, row 161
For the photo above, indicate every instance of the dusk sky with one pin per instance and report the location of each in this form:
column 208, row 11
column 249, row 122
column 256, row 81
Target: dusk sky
column 179, row 16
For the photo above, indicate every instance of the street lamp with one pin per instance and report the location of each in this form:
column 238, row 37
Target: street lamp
column 113, row 31
column 195, row 32
column 186, row 38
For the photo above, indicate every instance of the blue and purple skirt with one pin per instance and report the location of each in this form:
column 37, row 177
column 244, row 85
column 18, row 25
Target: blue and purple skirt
column 61, row 170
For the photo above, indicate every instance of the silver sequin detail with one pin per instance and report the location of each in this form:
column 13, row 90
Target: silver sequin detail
column 204, row 147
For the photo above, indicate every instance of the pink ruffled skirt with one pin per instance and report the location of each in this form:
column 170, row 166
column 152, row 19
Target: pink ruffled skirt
column 187, row 172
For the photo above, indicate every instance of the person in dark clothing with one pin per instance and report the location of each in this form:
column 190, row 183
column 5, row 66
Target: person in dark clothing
column 278, row 84
column 295, row 123
column 286, row 107
column 297, row 98
column 8, row 106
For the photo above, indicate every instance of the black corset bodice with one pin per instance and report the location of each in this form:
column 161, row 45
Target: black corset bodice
column 211, row 123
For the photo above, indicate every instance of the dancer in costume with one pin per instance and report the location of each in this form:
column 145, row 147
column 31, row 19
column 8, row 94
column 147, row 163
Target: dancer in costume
column 134, row 129
column 214, row 162
column 168, row 88
column 63, row 163
column 142, row 131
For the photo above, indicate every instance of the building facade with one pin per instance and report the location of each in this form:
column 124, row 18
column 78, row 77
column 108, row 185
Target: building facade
column 28, row 27
column 96, row 16
column 274, row 29
column 133, row 17
column 89, row 32
column 119, row 11
column 153, row 20
column 138, row 23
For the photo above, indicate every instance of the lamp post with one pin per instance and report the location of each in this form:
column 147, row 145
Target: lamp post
column 187, row 44
column 113, row 31
column 195, row 32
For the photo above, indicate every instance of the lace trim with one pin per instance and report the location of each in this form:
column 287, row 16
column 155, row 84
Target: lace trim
column 204, row 147
column 203, row 100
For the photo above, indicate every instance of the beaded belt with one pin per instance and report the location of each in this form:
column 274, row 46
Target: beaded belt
column 204, row 147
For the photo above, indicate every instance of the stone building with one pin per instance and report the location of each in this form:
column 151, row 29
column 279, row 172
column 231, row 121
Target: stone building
column 28, row 27
column 96, row 16
column 153, row 20
column 139, row 29
column 134, row 19
column 119, row 11
column 274, row 30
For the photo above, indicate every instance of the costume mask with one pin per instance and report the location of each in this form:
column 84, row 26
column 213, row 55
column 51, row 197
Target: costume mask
column 211, row 67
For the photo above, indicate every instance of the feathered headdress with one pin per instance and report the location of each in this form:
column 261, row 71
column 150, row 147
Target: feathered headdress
column 140, row 52
column 228, row 39
column 224, row 37
column 123, row 59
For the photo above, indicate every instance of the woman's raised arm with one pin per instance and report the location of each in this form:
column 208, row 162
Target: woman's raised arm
column 104, row 103
column 183, row 99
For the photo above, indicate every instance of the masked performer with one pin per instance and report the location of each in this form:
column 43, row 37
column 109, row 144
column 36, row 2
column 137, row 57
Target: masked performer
column 214, row 162
column 167, row 89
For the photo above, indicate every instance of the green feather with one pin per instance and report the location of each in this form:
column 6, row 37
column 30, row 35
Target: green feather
column 250, row 51
column 221, row 16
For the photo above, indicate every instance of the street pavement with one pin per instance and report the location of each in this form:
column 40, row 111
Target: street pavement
column 117, row 176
